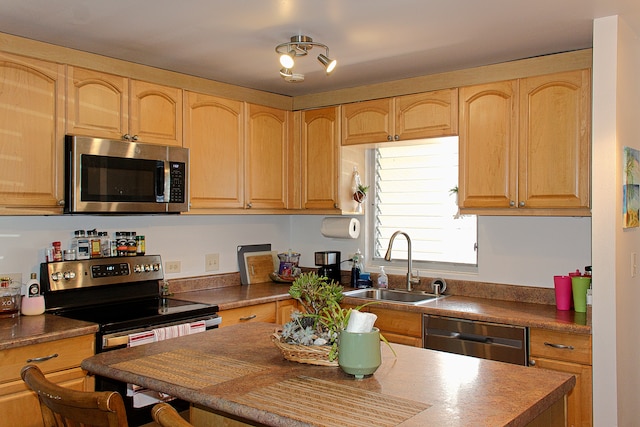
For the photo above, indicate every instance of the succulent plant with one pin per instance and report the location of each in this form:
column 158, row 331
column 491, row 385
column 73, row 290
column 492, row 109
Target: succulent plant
column 323, row 318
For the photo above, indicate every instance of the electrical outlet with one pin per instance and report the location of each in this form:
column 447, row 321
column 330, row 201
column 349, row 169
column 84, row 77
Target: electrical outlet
column 172, row 267
column 212, row 262
column 16, row 278
column 634, row 264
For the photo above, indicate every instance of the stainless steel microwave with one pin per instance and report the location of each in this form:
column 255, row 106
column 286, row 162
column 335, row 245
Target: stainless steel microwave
column 108, row 176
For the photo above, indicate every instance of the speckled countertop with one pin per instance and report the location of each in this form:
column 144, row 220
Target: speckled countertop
column 238, row 370
column 535, row 311
column 516, row 305
column 25, row 330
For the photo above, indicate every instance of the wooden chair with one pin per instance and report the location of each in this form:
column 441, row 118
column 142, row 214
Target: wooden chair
column 166, row 416
column 63, row 407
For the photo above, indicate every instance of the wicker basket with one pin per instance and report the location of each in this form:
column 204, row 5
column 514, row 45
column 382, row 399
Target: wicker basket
column 310, row 354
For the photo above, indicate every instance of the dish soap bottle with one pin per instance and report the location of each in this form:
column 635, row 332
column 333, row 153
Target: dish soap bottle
column 383, row 280
column 356, row 268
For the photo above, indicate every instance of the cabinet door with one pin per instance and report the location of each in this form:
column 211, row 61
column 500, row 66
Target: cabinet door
column 400, row 327
column 555, row 140
column 488, row 145
column 320, row 158
column 214, row 135
column 267, row 157
column 32, row 136
column 155, row 113
column 367, row 121
column 97, row 103
column 426, row 115
column 20, row 406
column 284, row 309
column 579, row 400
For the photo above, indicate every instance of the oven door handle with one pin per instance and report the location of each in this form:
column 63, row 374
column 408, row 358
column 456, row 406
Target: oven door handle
column 111, row 342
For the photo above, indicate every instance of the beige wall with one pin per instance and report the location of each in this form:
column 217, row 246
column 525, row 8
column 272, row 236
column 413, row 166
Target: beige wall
column 616, row 104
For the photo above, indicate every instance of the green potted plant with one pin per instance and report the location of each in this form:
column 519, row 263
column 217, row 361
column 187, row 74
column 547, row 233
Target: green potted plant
column 322, row 319
column 361, row 193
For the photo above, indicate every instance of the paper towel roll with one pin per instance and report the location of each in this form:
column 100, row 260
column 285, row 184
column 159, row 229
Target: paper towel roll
column 360, row 322
column 340, row 227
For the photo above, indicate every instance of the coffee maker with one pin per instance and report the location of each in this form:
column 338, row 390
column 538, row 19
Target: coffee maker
column 329, row 263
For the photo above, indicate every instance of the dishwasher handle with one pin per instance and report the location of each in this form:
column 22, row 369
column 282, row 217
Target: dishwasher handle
column 463, row 337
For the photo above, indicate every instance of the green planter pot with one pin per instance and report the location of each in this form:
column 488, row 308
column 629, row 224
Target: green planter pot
column 359, row 353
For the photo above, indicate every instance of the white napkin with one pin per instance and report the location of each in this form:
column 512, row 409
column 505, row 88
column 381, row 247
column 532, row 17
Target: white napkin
column 361, row 322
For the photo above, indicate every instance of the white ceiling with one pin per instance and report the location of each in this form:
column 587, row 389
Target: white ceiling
column 233, row 41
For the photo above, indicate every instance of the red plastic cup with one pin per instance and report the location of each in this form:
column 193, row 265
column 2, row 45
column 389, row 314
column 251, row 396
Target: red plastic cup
column 564, row 293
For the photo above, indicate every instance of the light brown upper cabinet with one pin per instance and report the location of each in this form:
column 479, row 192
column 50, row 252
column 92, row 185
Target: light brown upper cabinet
column 109, row 106
column 525, row 146
column 214, row 134
column 407, row 117
column 320, row 137
column 267, row 157
column 32, row 137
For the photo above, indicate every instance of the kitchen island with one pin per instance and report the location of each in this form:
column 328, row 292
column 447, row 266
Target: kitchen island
column 237, row 372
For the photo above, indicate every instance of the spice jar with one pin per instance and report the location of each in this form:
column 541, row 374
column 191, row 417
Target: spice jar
column 121, row 238
column 94, row 243
column 132, row 249
column 140, row 245
column 57, row 251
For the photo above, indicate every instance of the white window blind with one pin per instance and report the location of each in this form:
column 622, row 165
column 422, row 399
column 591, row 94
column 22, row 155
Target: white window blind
column 412, row 192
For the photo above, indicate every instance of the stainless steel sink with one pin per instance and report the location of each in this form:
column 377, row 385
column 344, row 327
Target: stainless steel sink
column 389, row 295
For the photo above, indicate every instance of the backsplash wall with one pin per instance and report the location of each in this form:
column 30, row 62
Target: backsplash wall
column 513, row 250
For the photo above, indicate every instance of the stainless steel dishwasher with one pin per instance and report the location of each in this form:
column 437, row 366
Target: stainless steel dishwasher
column 493, row 341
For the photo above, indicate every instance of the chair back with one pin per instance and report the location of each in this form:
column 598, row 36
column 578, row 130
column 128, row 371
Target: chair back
column 63, row 407
column 166, row 416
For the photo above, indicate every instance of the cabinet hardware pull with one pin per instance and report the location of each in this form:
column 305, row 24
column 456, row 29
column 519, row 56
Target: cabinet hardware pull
column 253, row 316
column 560, row 346
column 43, row 358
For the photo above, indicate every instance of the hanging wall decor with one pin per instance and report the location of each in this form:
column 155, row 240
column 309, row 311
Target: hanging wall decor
column 631, row 188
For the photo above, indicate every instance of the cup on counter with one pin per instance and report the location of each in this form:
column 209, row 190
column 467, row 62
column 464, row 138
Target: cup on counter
column 580, row 285
column 563, row 288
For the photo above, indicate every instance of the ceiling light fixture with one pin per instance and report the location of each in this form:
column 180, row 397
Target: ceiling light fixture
column 300, row 46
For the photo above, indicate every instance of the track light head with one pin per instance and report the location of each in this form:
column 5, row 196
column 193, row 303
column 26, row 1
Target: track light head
column 328, row 63
column 286, row 59
column 286, row 72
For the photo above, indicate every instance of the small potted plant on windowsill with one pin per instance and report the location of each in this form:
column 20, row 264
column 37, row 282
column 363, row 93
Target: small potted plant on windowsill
column 361, row 193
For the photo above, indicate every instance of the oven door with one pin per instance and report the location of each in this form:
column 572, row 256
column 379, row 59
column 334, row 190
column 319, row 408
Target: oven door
column 138, row 401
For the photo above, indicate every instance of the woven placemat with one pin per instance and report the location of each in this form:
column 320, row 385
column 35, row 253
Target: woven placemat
column 322, row 403
column 190, row 368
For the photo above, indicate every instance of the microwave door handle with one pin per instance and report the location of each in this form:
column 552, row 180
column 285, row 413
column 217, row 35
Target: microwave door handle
column 162, row 182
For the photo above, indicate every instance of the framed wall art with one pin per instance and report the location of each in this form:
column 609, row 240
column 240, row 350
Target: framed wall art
column 631, row 188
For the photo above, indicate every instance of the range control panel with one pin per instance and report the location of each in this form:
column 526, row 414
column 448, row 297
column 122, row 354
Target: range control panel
column 63, row 275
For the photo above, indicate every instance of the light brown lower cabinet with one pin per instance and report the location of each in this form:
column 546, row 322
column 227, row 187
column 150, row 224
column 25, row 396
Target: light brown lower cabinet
column 284, row 309
column 18, row 403
column 570, row 353
column 401, row 327
column 251, row 313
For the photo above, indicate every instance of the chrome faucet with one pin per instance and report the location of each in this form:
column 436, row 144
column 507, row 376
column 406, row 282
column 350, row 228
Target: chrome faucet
column 410, row 279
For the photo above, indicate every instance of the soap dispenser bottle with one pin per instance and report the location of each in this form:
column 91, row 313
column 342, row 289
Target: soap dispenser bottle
column 383, row 280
